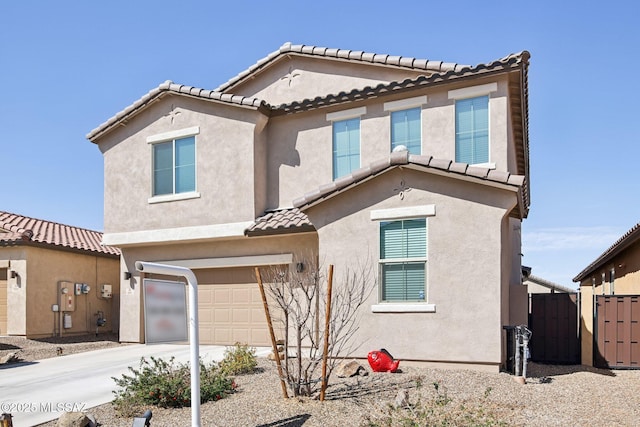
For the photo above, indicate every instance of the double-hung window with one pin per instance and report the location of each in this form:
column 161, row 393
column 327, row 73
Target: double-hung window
column 403, row 260
column 174, row 163
column 406, row 130
column 472, row 130
column 406, row 123
column 346, row 140
column 346, row 147
column 472, row 123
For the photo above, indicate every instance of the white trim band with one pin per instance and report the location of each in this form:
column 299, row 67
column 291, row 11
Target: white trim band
column 346, row 114
column 237, row 261
column 403, row 104
column 173, row 197
column 176, row 235
column 403, row 308
column 473, row 91
column 403, row 213
column 168, row 136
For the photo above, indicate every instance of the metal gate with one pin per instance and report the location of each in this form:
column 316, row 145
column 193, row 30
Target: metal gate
column 617, row 336
column 553, row 320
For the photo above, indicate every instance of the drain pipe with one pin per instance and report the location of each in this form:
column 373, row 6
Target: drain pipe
column 194, row 340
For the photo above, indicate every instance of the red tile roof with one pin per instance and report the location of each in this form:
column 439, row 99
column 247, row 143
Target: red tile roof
column 280, row 221
column 17, row 229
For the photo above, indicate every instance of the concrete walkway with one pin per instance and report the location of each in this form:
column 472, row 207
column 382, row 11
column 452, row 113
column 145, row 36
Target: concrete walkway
column 38, row 392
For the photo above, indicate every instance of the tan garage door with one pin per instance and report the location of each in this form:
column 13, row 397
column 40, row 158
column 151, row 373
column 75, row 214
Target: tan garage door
column 3, row 301
column 230, row 308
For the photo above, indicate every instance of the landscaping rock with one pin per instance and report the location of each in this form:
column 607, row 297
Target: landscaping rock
column 75, row 419
column 9, row 358
column 402, row 399
column 350, row 369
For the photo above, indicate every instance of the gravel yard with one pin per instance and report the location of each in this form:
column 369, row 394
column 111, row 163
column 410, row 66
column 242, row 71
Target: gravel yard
column 553, row 396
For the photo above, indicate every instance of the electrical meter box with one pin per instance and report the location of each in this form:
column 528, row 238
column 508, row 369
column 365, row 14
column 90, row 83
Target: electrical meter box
column 105, row 291
column 67, row 297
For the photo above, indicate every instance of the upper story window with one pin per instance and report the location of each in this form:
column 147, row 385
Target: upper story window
column 472, row 123
column 406, row 123
column 346, row 140
column 174, row 164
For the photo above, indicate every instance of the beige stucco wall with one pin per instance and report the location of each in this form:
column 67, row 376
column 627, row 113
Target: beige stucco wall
column 295, row 78
column 300, row 145
column 30, row 296
column 225, row 167
column 303, row 245
column 627, row 282
column 464, row 265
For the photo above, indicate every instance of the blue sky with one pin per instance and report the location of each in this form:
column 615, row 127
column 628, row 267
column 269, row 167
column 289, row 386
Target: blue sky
column 67, row 66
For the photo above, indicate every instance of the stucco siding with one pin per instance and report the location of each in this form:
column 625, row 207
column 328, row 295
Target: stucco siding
column 306, row 78
column 225, row 167
column 131, row 313
column 300, row 146
column 464, row 265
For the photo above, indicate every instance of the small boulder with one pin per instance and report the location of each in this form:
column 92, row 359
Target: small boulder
column 350, row 369
column 402, row 399
column 9, row 358
column 75, row 419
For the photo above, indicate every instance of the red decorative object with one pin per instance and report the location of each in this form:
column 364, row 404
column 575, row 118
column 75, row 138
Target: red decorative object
column 382, row 361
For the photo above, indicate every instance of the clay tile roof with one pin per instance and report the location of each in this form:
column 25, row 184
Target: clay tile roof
column 629, row 238
column 351, row 55
column 280, row 221
column 17, row 229
column 404, row 158
column 168, row 87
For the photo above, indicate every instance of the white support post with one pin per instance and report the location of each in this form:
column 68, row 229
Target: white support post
column 194, row 340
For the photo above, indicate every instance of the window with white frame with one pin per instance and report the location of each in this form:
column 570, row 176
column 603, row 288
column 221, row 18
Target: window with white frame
column 406, row 122
column 174, row 166
column 403, row 260
column 346, row 140
column 472, row 130
column 406, row 130
column 173, row 157
column 472, row 136
column 346, row 146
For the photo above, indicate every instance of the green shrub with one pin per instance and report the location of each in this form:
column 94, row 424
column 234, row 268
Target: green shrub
column 239, row 359
column 167, row 384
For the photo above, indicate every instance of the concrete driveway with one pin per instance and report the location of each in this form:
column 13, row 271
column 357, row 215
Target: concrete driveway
column 39, row 392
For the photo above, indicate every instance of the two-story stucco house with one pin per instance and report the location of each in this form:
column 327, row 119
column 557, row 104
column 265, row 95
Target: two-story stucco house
column 418, row 166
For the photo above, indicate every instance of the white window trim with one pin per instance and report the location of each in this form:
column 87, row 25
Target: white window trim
column 409, row 212
column 405, row 104
column 388, row 307
column 395, row 214
column 174, row 134
column 173, row 197
column 346, row 114
column 167, row 137
column 473, row 91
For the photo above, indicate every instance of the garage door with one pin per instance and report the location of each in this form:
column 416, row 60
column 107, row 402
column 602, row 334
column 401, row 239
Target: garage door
column 230, row 308
column 617, row 337
column 3, row 301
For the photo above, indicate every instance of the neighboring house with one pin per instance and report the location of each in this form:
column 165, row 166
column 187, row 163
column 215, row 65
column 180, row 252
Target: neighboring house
column 610, row 305
column 538, row 285
column 419, row 167
column 38, row 261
